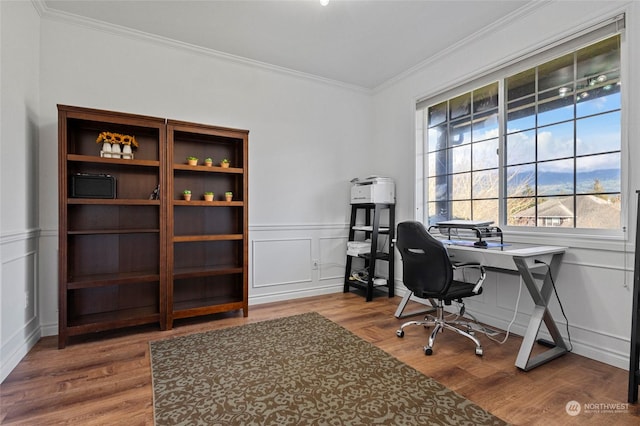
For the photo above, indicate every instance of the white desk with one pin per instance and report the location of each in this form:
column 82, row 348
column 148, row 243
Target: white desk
column 531, row 263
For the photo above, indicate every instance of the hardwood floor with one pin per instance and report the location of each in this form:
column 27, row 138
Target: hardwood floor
column 107, row 380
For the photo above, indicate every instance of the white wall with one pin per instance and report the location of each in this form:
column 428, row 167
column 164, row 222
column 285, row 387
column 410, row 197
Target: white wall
column 305, row 138
column 306, row 135
column 19, row 55
column 596, row 278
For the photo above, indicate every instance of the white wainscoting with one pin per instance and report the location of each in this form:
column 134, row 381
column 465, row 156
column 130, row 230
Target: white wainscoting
column 332, row 257
column 20, row 327
column 281, row 261
column 48, row 282
column 293, row 261
column 595, row 289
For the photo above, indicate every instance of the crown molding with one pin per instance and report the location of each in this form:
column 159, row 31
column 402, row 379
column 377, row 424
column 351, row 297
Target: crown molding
column 114, row 29
column 525, row 10
column 39, row 6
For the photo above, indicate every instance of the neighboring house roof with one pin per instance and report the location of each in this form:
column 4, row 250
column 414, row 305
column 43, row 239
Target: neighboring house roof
column 598, row 210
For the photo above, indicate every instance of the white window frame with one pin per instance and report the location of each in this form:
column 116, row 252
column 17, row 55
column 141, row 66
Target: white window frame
column 595, row 33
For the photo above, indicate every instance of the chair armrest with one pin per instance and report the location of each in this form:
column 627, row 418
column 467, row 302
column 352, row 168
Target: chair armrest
column 483, row 273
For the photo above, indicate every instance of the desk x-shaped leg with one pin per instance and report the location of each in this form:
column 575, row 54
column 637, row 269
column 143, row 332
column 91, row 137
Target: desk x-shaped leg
column 403, row 304
column 540, row 313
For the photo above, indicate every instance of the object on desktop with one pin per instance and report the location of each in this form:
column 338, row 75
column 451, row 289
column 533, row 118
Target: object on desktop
column 374, row 189
column 466, row 231
column 464, row 223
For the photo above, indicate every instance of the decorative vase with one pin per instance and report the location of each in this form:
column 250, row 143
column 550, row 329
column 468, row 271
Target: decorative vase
column 115, row 150
column 126, row 152
column 106, row 149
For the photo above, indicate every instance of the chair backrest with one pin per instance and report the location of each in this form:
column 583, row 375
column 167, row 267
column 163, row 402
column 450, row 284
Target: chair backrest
column 426, row 268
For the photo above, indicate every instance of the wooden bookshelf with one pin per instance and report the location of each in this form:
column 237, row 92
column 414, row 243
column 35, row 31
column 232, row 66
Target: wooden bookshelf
column 131, row 260
column 208, row 244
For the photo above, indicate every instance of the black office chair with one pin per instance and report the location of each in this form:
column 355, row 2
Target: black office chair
column 429, row 274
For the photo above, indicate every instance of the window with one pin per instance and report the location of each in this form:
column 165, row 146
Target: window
column 462, row 147
column 539, row 146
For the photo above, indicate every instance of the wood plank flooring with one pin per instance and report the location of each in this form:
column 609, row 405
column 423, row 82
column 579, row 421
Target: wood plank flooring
column 106, row 380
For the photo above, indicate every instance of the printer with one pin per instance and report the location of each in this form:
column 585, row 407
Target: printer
column 374, row 189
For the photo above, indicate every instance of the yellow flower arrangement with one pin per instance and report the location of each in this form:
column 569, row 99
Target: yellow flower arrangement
column 117, row 138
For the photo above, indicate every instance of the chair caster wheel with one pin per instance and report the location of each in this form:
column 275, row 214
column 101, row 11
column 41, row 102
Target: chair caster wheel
column 428, row 351
column 400, row 333
column 479, row 351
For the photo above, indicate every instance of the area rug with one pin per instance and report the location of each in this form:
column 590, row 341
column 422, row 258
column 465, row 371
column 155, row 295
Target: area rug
column 298, row 370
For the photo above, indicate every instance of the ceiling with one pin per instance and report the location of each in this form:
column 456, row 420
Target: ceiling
column 362, row 43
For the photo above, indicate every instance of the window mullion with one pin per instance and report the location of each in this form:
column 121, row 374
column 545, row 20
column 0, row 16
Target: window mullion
column 502, row 147
column 558, row 156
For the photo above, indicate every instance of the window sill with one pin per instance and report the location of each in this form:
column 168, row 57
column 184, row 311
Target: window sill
column 608, row 240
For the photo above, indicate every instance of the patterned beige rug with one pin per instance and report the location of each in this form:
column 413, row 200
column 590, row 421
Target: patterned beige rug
column 298, row 370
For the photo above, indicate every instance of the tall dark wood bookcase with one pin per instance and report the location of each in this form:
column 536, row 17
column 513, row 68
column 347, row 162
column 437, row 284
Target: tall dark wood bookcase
column 207, row 239
column 138, row 259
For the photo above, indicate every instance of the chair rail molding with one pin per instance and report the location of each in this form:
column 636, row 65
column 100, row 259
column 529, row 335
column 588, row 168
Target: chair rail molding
column 289, row 261
column 20, row 296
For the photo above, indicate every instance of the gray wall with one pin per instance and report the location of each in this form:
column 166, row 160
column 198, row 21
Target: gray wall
column 308, row 139
column 596, row 279
column 19, row 163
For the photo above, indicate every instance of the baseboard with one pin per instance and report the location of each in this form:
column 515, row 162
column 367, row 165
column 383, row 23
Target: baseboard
column 49, row 329
column 295, row 294
column 581, row 347
column 17, row 354
column 581, row 339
